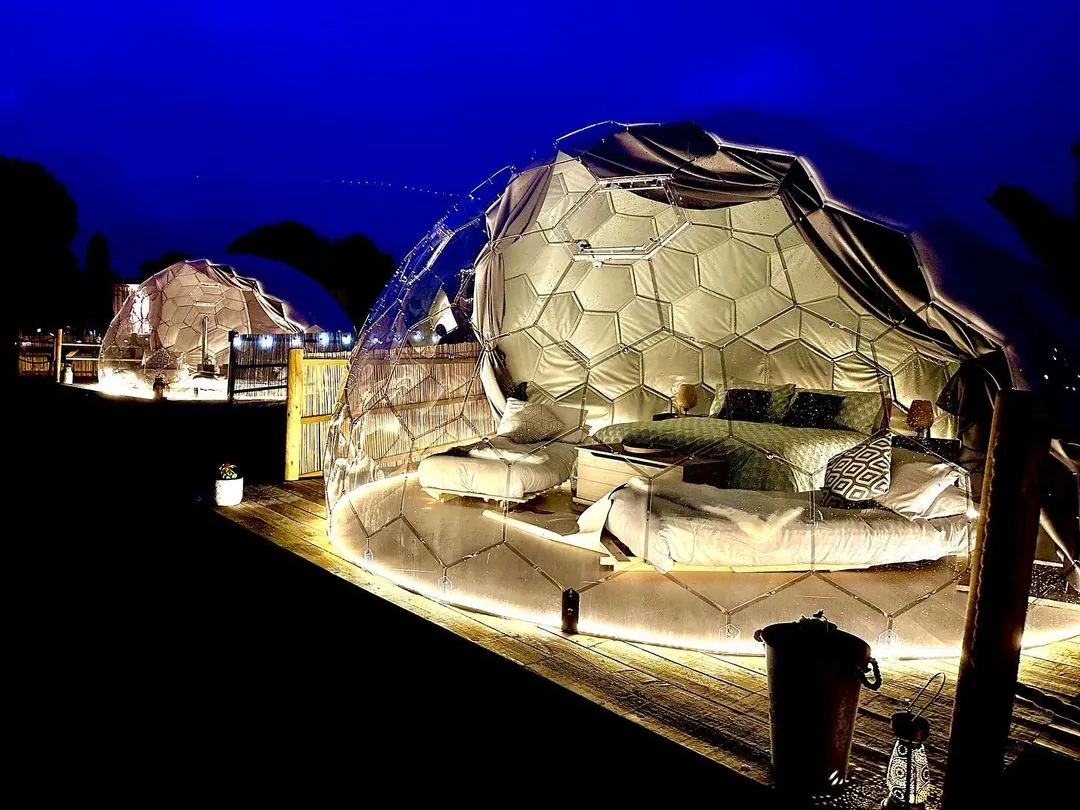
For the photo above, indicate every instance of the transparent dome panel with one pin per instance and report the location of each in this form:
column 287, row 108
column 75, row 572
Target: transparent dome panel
column 679, row 412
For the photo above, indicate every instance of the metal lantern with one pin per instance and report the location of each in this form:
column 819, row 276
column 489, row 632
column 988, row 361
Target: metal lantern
column 908, row 776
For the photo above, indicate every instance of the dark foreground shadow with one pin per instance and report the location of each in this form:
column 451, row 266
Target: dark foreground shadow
column 163, row 652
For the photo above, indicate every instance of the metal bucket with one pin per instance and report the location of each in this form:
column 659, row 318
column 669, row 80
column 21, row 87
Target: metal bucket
column 815, row 672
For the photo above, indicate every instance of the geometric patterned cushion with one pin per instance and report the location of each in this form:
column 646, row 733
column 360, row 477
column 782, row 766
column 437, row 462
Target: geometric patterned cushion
column 827, row 498
column 530, row 422
column 863, row 472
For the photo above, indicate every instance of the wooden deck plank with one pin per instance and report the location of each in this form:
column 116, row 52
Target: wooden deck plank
column 712, row 704
column 293, row 510
column 1062, row 652
column 301, row 500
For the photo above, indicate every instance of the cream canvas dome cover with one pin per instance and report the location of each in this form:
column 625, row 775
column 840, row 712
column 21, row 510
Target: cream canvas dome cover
column 177, row 322
column 661, row 255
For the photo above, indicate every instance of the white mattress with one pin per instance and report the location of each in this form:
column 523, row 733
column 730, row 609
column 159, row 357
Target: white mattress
column 702, row 525
column 499, row 468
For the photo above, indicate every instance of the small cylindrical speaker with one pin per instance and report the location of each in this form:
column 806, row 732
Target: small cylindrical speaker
column 571, row 609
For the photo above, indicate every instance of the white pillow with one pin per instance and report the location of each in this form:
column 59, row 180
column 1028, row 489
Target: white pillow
column 512, row 408
column 915, row 486
column 530, row 422
column 571, row 432
column 952, row 501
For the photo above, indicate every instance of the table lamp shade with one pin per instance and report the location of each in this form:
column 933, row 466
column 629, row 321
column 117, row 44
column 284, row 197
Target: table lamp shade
column 921, row 414
column 685, row 397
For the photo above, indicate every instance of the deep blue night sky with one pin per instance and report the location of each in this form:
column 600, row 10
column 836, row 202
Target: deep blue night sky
column 180, row 126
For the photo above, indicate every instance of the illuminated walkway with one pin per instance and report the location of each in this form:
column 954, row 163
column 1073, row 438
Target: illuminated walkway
column 715, row 705
column 464, row 551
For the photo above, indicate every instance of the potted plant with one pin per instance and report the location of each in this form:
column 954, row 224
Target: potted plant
column 229, row 486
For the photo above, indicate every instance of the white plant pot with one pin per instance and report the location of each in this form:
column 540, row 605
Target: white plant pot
column 229, row 492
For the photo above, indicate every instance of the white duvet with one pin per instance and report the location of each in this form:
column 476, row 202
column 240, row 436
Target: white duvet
column 702, row 525
column 499, row 468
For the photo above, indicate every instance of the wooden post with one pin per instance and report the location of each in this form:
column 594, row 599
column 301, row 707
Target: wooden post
column 230, row 374
column 1001, row 565
column 58, row 355
column 294, row 414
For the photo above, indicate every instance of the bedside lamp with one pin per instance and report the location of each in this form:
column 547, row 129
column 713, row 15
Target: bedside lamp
column 685, row 397
column 920, row 417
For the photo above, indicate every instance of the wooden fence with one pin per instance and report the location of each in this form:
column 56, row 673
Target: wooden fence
column 258, row 364
column 422, row 400
column 46, row 355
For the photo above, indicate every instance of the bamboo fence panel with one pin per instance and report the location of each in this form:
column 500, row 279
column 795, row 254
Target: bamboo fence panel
column 36, row 356
column 322, row 385
column 413, row 400
column 419, row 400
column 258, row 364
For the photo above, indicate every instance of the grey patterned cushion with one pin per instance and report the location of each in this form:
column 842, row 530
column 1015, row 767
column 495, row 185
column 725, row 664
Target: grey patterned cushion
column 528, row 422
column 779, row 400
column 862, row 411
column 861, row 473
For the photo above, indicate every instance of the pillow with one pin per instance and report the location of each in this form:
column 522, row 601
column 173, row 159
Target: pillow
column 861, row 473
column 826, row 497
column 513, row 406
column 531, row 422
column 780, row 402
column 862, row 411
column 746, row 405
column 952, row 501
column 721, row 394
column 780, row 397
column 813, row 410
column 915, row 487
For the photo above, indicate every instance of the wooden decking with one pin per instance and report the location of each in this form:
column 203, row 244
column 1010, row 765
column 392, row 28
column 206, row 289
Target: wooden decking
column 714, row 705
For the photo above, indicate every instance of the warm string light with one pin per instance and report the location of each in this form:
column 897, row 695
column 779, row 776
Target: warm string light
column 412, row 189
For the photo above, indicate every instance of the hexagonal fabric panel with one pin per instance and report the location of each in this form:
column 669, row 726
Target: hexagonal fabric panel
column 734, row 269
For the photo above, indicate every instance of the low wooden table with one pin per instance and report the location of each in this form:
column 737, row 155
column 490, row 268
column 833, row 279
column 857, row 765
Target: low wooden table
column 601, row 468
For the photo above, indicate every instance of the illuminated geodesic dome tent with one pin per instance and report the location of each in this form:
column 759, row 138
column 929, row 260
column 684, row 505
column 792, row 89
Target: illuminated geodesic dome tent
column 600, row 282
column 177, row 324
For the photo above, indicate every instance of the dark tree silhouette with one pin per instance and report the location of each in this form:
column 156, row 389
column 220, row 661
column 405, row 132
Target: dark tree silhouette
column 98, row 280
column 1050, row 235
column 353, row 269
column 38, row 222
column 150, row 266
column 288, row 242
